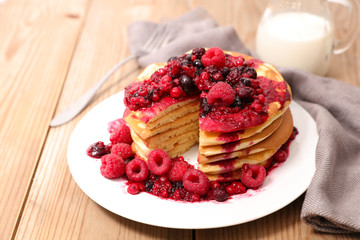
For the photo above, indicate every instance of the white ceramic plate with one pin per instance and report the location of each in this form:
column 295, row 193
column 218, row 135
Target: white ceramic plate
column 282, row 186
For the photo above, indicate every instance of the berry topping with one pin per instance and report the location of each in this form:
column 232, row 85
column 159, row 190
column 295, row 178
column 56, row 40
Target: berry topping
column 187, row 84
column 121, row 134
column 133, row 188
column 124, row 150
column 177, row 171
column 137, row 170
column 220, row 194
column 221, row 94
column 197, row 63
column 98, row 149
column 213, row 56
column 280, row 156
column 195, row 181
column 253, row 175
column 175, row 92
column 198, row 52
column 159, row 162
column 238, row 187
column 112, row 166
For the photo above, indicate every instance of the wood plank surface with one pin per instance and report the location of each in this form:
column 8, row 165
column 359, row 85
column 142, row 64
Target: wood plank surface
column 55, row 207
column 37, row 41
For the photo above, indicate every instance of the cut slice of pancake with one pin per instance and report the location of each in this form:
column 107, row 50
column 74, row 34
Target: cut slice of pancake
column 278, row 138
column 172, row 146
column 180, row 114
column 236, row 163
column 240, row 144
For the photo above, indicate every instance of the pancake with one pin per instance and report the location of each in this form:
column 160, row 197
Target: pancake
column 278, row 138
column 175, row 147
column 232, row 176
column 236, row 163
column 174, row 119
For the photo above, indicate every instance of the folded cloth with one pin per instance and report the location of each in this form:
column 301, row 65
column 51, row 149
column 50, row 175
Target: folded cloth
column 332, row 199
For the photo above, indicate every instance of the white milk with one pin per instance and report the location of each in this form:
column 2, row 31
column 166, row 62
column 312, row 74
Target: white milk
column 296, row 39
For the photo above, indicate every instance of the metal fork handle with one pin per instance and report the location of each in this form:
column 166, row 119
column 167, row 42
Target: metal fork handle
column 74, row 109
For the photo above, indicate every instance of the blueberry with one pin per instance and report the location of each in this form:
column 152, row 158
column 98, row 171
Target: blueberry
column 188, row 57
column 197, row 63
column 225, row 71
column 185, row 62
column 246, row 81
column 187, row 84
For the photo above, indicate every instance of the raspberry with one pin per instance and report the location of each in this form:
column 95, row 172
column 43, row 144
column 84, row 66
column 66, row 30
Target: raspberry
column 159, row 162
column 112, row 166
column 221, row 94
column 253, row 175
column 195, row 181
column 280, row 156
column 177, row 171
column 136, row 170
column 121, row 134
column 213, row 56
column 124, row 150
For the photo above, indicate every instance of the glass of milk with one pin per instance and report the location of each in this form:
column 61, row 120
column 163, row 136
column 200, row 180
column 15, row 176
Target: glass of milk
column 300, row 34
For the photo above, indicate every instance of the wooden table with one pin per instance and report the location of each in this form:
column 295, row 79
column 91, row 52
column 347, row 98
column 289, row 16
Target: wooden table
column 51, row 52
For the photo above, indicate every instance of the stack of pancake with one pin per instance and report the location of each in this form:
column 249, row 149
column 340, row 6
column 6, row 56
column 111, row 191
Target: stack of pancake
column 224, row 153
column 221, row 155
column 172, row 127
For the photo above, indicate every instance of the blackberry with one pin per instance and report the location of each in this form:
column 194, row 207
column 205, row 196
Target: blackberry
column 211, row 70
column 172, row 59
column 198, row 52
column 176, row 186
column 233, row 77
column 149, row 185
column 205, row 107
column 237, row 102
column 250, row 72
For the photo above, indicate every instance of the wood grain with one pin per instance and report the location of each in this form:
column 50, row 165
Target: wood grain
column 37, row 40
column 55, row 207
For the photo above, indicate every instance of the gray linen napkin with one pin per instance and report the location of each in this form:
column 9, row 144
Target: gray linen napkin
column 332, row 199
